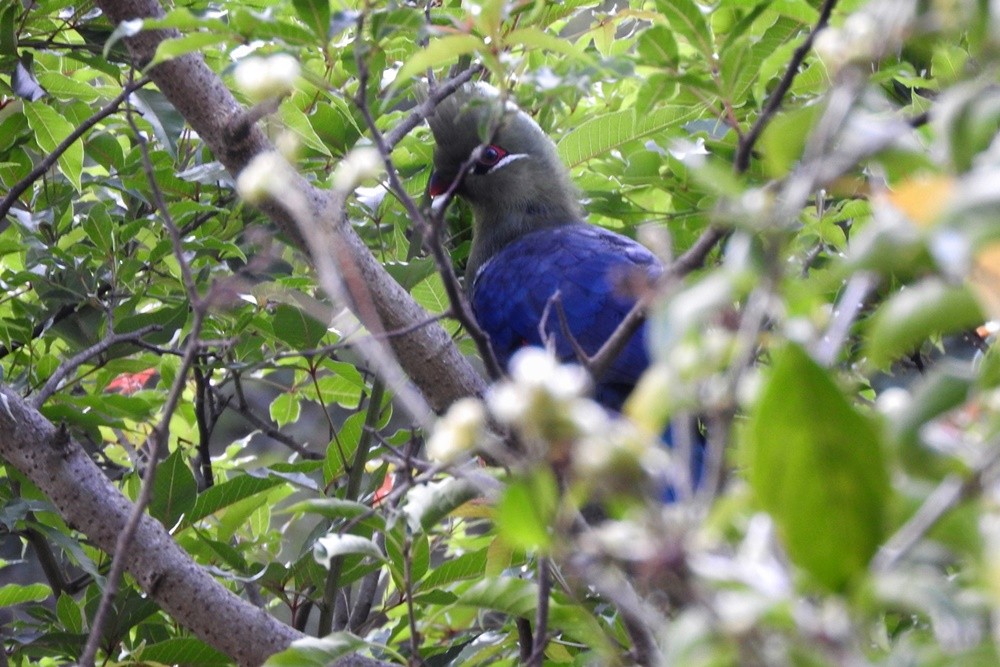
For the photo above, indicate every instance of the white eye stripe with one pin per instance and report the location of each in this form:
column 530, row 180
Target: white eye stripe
column 505, row 160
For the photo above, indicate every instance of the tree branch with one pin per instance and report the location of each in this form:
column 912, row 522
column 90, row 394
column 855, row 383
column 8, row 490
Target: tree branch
column 742, row 160
column 426, row 353
column 87, row 500
column 65, row 368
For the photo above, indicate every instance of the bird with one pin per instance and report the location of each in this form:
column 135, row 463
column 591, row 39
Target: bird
column 538, row 273
column 533, row 254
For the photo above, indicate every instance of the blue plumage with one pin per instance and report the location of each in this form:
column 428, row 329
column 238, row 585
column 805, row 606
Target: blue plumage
column 530, row 243
column 588, row 267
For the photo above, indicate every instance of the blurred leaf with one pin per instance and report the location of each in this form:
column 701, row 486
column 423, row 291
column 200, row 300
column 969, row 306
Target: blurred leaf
column 316, row 652
column 923, row 198
column 914, row 314
column 658, row 47
column 439, row 52
column 526, row 510
column 816, row 465
column 985, row 279
column 685, row 18
column 315, row 14
column 784, row 139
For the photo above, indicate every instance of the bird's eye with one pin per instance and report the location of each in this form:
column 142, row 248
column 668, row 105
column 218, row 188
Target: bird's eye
column 491, row 155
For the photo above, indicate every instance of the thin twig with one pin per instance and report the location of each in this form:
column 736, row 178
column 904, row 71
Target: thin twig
column 542, row 614
column 949, row 492
column 244, row 409
column 46, row 163
column 459, row 304
column 426, row 108
column 52, row 384
column 158, row 438
column 158, row 441
column 355, row 475
column 853, row 300
column 741, row 161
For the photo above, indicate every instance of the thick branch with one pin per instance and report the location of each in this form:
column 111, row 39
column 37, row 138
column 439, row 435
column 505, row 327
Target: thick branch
column 90, row 503
column 426, row 353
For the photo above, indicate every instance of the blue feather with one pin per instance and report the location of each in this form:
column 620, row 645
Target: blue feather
column 587, row 266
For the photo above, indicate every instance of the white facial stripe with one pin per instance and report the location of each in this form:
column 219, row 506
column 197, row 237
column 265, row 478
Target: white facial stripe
column 505, row 160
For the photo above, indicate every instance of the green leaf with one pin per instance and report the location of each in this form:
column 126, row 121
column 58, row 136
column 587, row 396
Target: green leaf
column 519, row 598
column 50, row 128
column 948, row 385
column 286, row 408
column 298, row 329
column 914, row 314
column 69, row 613
column 302, row 126
column 467, row 566
column 316, row 652
column 229, row 493
column 427, row 505
column 430, row 294
column 174, row 490
column 526, row 510
column 13, row 594
column 330, row 508
column 685, row 18
column 342, row 449
column 182, row 651
column 533, row 38
column 816, row 465
column 600, row 135
column 657, row 47
column 98, row 226
column 315, row 14
column 176, row 47
column 438, row 53
column 784, row 139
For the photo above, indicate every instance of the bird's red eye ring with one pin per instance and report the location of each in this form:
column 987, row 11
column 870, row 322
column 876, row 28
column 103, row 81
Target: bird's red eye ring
column 491, row 155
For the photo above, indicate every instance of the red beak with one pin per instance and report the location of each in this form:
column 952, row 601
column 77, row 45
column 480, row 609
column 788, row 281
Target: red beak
column 438, row 184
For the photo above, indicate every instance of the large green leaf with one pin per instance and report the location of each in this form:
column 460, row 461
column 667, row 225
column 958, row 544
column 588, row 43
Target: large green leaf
column 816, row 465
column 599, row 135
column 914, row 314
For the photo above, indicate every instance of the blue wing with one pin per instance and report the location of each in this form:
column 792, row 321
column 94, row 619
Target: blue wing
column 588, row 267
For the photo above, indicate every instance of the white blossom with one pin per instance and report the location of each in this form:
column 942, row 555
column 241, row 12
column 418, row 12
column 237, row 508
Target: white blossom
column 263, row 78
column 360, row 164
column 458, row 431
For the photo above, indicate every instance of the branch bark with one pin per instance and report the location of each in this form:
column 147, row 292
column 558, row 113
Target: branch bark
column 90, row 503
column 426, row 353
column 78, row 489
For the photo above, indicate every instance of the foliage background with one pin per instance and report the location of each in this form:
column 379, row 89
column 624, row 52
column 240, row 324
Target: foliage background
column 849, row 514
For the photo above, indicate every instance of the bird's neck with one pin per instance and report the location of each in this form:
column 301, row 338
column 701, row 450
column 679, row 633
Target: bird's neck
column 495, row 227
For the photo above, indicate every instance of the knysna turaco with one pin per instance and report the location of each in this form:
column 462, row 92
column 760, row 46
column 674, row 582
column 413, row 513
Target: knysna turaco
column 530, row 240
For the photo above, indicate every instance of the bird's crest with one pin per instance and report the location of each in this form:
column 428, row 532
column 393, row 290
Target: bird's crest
column 467, row 118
